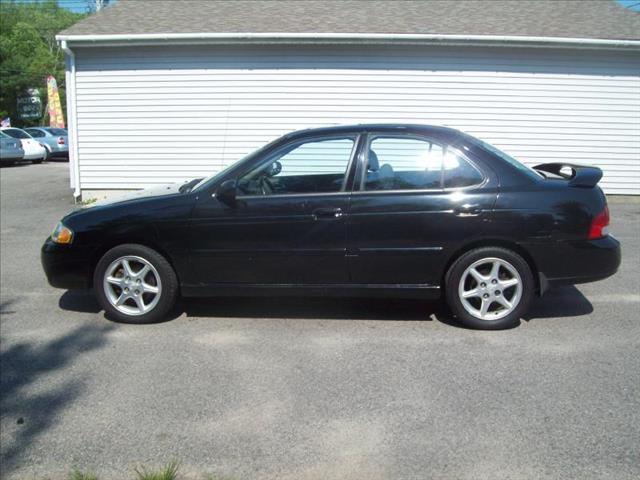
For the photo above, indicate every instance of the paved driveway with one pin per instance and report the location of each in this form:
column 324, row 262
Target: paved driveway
column 311, row 388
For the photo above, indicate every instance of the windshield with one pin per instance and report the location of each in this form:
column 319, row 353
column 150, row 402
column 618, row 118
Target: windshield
column 16, row 133
column 530, row 172
column 212, row 177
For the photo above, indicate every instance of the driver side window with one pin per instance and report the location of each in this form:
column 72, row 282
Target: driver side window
column 314, row 166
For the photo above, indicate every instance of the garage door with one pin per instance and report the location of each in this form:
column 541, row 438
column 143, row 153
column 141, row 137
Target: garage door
column 149, row 116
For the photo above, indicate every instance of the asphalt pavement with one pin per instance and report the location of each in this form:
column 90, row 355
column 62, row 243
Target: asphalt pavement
column 310, row 388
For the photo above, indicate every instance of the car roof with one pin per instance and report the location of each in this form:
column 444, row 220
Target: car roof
column 378, row 127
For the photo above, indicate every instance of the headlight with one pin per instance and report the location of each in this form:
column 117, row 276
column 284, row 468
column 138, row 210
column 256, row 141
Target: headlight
column 62, row 234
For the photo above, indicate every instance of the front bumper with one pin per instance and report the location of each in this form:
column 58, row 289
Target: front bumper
column 66, row 266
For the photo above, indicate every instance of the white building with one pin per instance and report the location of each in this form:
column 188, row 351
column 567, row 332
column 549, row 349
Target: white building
column 163, row 91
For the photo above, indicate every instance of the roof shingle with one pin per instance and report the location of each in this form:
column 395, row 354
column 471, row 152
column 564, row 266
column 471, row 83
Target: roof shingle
column 592, row 19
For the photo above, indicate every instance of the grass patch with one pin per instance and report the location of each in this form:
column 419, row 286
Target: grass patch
column 78, row 475
column 169, row 472
column 88, row 201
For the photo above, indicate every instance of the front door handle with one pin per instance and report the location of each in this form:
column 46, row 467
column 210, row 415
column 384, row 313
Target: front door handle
column 327, row 213
column 467, row 210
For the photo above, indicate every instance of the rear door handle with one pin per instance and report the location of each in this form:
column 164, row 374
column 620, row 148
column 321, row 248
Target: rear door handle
column 467, row 210
column 327, row 213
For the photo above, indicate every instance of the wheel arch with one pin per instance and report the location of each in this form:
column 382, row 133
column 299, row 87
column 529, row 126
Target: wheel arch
column 105, row 247
column 495, row 242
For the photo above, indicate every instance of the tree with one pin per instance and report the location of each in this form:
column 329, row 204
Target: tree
column 29, row 51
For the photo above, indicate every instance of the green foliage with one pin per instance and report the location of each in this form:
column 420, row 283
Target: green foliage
column 78, row 475
column 169, row 472
column 29, row 51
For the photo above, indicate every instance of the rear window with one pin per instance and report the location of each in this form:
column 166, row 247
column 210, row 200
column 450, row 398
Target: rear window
column 507, row 158
column 16, row 133
column 56, row 131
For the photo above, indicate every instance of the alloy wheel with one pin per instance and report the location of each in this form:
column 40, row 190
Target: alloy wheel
column 490, row 288
column 132, row 285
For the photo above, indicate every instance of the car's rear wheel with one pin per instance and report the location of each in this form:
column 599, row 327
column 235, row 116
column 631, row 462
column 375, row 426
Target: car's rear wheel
column 135, row 284
column 489, row 288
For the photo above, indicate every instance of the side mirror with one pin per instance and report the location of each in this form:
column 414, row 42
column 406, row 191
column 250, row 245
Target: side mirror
column 274, row 169
column 226, row 192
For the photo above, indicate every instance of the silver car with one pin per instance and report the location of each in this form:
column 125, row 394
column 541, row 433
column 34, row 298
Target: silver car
column 10, row 149
column 55, row 140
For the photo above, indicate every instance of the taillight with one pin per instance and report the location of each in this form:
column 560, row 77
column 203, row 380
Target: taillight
column 60, row 140
column 600, row 225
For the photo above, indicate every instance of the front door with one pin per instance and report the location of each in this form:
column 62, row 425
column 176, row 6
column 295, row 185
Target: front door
column 287, row 225
column 417, row 199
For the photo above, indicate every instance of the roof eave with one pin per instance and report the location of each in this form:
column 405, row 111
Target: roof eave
column 345, row 38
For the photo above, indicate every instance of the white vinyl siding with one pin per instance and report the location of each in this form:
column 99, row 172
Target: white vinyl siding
column 149, row 115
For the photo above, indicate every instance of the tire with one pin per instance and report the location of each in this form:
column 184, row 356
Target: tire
column 138, row 304
column 471, row 283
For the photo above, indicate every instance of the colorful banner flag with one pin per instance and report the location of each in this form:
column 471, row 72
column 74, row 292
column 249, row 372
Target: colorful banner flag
column 6, row 122
column 56, row 117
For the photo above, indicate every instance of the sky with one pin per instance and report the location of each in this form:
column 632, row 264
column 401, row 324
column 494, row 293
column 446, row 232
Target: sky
column 631, row 4
column 78, row 6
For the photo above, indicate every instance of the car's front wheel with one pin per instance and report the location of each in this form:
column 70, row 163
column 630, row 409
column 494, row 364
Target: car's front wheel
column 489, row 288
column 135, row 284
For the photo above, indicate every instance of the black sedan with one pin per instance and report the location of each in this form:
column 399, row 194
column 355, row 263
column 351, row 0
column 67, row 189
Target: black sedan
column 366, row 210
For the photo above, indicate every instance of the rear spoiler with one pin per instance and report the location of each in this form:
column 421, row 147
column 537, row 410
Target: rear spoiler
column 580, row 176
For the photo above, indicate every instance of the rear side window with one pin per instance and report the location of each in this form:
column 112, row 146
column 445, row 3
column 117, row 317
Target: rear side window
column 35, row 133
column 457, row 172
column 404, row 163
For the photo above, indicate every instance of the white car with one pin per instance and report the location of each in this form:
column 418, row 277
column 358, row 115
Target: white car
column 33, row 150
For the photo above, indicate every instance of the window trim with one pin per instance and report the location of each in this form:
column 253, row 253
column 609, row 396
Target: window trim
column 371, row 136
column 356, row 137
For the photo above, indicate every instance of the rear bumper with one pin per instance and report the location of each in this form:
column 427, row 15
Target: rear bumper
column 59, row 154
column 65, row 266
column 584, row 261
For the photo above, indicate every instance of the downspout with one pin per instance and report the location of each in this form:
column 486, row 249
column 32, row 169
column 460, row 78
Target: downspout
column 72, row 120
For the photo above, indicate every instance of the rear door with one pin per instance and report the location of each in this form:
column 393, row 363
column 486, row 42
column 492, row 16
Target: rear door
column 417, row 200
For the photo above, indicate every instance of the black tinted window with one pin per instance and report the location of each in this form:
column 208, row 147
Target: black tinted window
column 34, row 133
column 316, row 166
column 405, row 163
column 16, row 133
column 57, row 131
column 396, row 163
column 458, row 172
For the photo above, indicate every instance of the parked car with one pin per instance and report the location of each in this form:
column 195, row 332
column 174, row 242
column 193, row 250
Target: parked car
column 55, row 140
column 379, row 210
column 10, row 149
column 33, row 150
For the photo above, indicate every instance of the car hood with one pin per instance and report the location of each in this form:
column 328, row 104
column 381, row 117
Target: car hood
column 137, row 195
